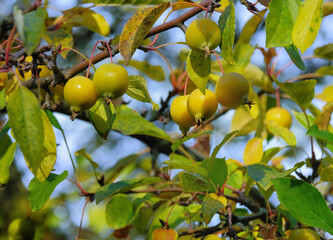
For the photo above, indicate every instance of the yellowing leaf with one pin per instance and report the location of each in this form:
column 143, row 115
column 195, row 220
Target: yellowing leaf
column 138, row 90
column 137, row 27
column 86, row 17
column 224, row 4
column 198, row 67
column 82, row 152
column 253, row 151
column 48, row 156
column 61, row 36
column 326, row 95
column 282, row 132
column 307, row 24
column 102, row 117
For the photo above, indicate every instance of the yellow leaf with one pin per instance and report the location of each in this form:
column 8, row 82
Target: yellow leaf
column 86, row 17
column 224, row 4
column 326, row 95
column 253, row 151
column 307, row 24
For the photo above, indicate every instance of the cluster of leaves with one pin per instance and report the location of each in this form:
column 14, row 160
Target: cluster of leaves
column 205, row 185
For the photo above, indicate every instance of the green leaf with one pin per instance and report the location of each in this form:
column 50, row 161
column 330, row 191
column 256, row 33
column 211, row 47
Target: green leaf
column 41, row 192
column 292, row 221
column 217, row 171
column 138, row 90
column 180, row 162
column 26, row 121
column 121, row 164
column 137, row 27
column 193, row 182
column 129, row 122
column 266, row 193
column 2, row 99
column 264, row 174
column 326, row 174
column 125, row 2
column 251, row 27
column 198, row 68
column 307, row 24
column 33, row 28
column 119, row 212
column 155, row 72
column 302, row 119
column 19, row 20
column 80, row 16
column 325, row 52
column 281, row 131
column 301, row 92
column 123, row 186
column 4, row 129
column 102, row 117
column 280, row 22
column 53, row 120
column 325, row 70
column 323, row 135
column 82, row 152
column 210, row 205
column 242, row 56
column 304, row 202
column 227, row 27
column 295, row 56
column 61, row 36
column 142, row 217
column 235, row 177
column 270, row 153
column 5, row 161
column 176, row 217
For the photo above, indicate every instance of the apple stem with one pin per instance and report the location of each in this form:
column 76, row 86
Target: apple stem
column 188, row 3
column 167, row 44
column 218, row 60
column 9, row 43
column 108, row 46
column 173, row 77
column 186, row 82
column 91, row 58
column 72, row 49
column 155, row 39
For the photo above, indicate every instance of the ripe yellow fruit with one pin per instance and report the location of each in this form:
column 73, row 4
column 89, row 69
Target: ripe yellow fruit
column 111, row 81
column 232, row 90
column 80, row 94
column 280, row 116
column 21, row 229
column 202, row 106
column 203, row 34
column 302, row 234
column 180, row 114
